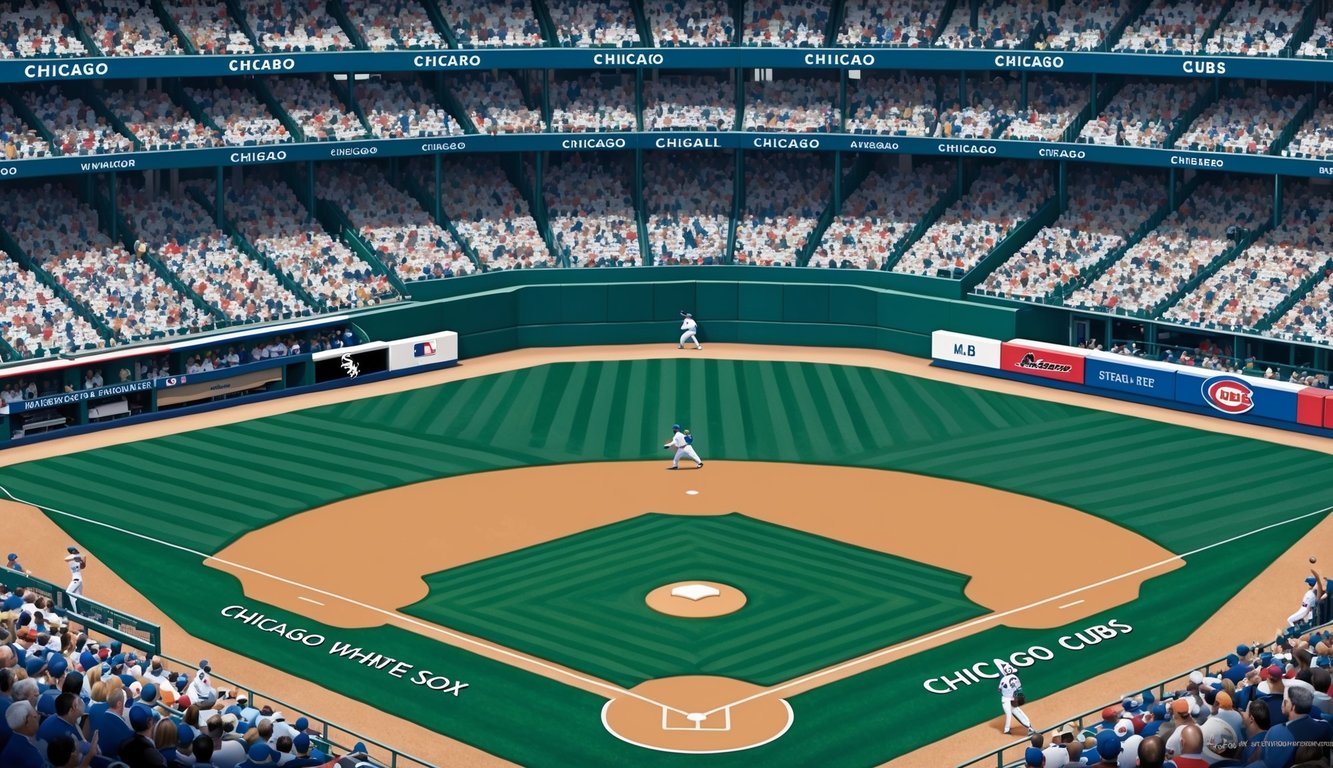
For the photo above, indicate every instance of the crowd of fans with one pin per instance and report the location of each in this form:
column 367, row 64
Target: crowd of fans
column 1053, row 104
column 1320, row 43
column 688, row 206
column 317, row 110
column 1002, row 198
column 785, row 23
column 1142, row 114
column 1203, row 228
column 1101, row 215
column 121, row 288
column 31, row 28
column 35, row 320
column 784, row 197
column 1082, row 26
column 1247, row 120
column 488, row 212
column 903, row 24
column 797, row 105
column 599, row 23
column 78, row 128
column 21, row 141
column 243, row 118
column 1171, row 26
column 593, row 103
column 392, row 24
column 157, row 122
column 1314, row 139
column 1311, row 319
column 591, row 211
column 187, row 241
column 125, row 28
column 1000, row 24
column 283, row 26
column 402, row 109
column 875, row 218
column 495, row 103
column 988, row 110
column 492, row 23
column 688, row 103
column 1244, row 291
column 268, row 214
column 395, row 226
column 902, row 105
column 691, row 22
column 208, row 25
column 1256, row 28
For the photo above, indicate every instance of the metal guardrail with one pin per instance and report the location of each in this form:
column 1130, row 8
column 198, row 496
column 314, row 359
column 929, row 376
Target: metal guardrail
column 115, row 624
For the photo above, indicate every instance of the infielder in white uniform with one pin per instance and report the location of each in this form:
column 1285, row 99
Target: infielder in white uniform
column 1313, row 595
column 1010, row 686
column 76, row 563
column 682, row 447
column 690, row 329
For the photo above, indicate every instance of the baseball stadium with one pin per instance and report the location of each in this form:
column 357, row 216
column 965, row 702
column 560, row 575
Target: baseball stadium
column 473, row 383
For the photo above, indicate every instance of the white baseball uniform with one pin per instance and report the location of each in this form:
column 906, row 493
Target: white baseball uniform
column 690, row 329
column 75, row 580
column 1010, row 685
column 1307, row 607
column 683, row 449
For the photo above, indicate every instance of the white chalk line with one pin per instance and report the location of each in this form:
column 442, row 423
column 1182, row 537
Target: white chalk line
column 308, row 600
column 1071, row 605
column 617, row 690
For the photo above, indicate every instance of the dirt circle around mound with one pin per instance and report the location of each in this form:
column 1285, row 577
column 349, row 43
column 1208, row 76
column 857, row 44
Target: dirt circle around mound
column 702, row 718
column 726, row 599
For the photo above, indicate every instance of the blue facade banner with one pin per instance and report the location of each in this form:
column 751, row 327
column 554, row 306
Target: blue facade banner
column 940, row 59
column 1131, row 376
column 78, row 396
column 1229, row 395
column 671, row 141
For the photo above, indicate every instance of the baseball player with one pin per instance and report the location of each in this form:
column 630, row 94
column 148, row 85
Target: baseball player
column 690, row 329
column 1313, row 595
column 76, row 563
column 683, row 448
column 1011, row 696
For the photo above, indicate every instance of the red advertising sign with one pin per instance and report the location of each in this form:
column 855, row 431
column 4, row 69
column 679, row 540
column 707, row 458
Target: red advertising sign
column 1045, row 363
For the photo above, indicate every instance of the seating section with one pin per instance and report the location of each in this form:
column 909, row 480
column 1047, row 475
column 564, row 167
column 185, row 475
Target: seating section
column 269, row 215
column 1200, row 230
column 902, row 105
column 1254, row 284
column 317, row 110
column 283, row 26
column 902, row 23
column 1248, row 120
column 495, row 103
column 1053, row 105
column 60, row 235
column 591, row 211
column 187, row 241
column 388, row 25
column 1320, row 43
column 492, row 23
column 157, row 122
column 243, row 118
column 1311, row 319
column 33, row 28
column 395, row 226
column 21, row 141
column 489, row 213
column 882, row 211
column 593, row 103
column 125, row 28
column 1002, row 198
column 1142, row 114
column 799, row 105
column 784, row 197
column 1171, row 26
column 1082, row 25
column 688, row 103
column 35, row 321
column 691, row 23
column 1000, row 24
column 688, row 206
column 403, row 109
column 786, row 23
column 1314, row 139
column 1104, row 211
column 594, row 23
column 990, row 108
column 1256, row 28
column 78, row 128
column 210, row 28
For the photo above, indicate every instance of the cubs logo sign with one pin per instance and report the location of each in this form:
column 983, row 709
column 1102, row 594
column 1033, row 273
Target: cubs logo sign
column 1228, row 395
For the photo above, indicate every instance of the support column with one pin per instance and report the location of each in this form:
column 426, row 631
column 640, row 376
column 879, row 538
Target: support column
column 112, row 183
column 439, row 187
column 309, row 191
column 1171, row 188
column 1062, row 185
column 1093, row 103
column 218, row 215
column 837, row 182
column 1278, row 185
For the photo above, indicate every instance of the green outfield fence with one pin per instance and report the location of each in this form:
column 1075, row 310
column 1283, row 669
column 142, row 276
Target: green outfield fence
column 1011, row 755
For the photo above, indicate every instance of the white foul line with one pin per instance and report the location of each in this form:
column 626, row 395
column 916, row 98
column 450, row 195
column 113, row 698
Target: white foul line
column 308, row 600
column 617, row 690
column 1070, row 605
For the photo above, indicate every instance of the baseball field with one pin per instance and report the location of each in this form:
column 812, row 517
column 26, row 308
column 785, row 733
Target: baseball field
column 487, row 556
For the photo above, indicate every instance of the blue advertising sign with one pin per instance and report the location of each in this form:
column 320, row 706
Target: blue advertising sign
column 1131, row 376
column 1230, row 395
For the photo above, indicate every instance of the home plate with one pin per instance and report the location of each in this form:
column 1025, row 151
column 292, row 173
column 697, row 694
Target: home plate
column 696, row 717
column 691, row 493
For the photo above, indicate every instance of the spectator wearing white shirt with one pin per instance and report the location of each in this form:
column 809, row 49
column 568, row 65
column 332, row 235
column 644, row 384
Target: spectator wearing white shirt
column 319, row 113
column 210, row 28
column 1142, row 114
column 904, row 24
column 1170, row 26
column 591, row 210
column 1000, row 24
column 394, row 24
column 158, row 122
column 1314, row 139
column 38, row 28
column 489, row 213
column 77, row 127
column 593, row 103
column 284, row 26
column 398, row 109
column 902, row 105
column 1320, row 43
column 798, row 105
column 243, row 118
column 125, row 28
column 786, row 23
column 687, row 199
column 594, row 22
column 1256, row 28
column 492, row 23
column 495, row 104
column 691, row 23
column 785, row 195
column 688, row 103
column 1082, row 25
column 1247, row 120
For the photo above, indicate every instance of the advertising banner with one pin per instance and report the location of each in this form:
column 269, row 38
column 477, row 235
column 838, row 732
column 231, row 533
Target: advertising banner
column 419, row 351
column 187, row 389
column 1130, row 375
column 351, row 362
column 1231, row 395
column 965, row 349
column 1047, row 362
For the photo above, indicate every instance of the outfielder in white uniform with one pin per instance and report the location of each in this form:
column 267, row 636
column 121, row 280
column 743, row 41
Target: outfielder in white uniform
column 75, row 562
column 682, row 447
column 690, row 329
column 1010, row 685
column 1313, row 595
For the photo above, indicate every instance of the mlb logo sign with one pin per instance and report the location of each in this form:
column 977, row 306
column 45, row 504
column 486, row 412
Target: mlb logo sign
column 424, row 349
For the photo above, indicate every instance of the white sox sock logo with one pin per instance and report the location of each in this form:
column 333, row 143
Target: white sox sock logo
column 350, row 367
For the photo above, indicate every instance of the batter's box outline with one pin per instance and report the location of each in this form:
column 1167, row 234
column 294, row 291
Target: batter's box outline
column 695, row 720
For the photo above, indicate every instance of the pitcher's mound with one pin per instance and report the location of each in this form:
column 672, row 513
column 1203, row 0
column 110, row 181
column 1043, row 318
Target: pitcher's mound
column 699, row 715
column 696, row 599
